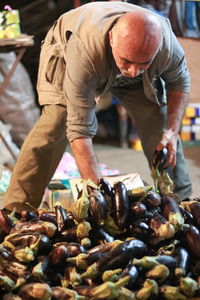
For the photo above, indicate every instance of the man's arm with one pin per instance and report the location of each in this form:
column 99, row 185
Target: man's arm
column 176, row 104
column 85, row 157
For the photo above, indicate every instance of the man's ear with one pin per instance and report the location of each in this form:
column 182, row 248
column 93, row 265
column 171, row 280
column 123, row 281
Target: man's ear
column 111, row 38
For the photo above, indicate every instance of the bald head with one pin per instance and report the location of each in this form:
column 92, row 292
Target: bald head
column 136, row 37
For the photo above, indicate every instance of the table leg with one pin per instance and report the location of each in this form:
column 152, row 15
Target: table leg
column 5, row 83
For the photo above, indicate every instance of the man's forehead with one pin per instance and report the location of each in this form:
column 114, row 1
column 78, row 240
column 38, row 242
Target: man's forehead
column 135, row 61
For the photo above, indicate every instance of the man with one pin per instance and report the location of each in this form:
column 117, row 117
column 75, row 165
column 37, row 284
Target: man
column 98, row 47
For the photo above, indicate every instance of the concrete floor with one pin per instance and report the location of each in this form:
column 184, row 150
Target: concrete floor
column 128, row 160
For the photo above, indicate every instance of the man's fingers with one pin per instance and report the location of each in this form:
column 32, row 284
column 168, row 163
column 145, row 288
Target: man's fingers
column 160, row 146
column 171, row 158
column 163, row 143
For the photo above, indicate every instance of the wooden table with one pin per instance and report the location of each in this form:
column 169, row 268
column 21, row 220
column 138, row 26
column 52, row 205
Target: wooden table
column 18, row 45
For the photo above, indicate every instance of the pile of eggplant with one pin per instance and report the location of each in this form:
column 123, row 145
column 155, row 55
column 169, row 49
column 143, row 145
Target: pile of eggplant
column 116, row 244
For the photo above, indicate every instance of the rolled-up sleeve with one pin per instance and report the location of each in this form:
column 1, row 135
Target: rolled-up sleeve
column 176, row 74
column 79, row 90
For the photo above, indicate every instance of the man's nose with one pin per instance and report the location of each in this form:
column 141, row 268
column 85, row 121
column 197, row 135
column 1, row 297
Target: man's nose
column 134, row 71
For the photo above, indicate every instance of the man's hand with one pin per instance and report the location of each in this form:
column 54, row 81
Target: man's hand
column 176, row 104
column 169, row 141
column 85, row 157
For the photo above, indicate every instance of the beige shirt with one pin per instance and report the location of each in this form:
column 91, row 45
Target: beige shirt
column 77, row 68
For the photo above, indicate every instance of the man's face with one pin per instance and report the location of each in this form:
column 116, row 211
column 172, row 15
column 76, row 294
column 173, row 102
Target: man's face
column 131, row 60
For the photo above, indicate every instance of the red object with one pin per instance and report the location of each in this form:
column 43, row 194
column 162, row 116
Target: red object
column 77, row 3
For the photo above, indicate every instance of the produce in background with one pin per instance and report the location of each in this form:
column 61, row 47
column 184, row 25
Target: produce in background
column 118, row 244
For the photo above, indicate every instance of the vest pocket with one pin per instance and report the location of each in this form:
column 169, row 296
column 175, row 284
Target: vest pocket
column 52, row 68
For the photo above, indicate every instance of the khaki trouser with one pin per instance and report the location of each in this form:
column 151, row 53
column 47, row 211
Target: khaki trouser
column 38, row 159
column 150, row 120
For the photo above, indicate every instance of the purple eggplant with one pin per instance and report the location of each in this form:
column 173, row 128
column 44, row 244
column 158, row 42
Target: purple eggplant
column 11, row 265
column 24, row 255
column 139, row 228
column 138, row 210
column 118, row 257
column 99, row 235
column 167, row 260
column 61, row 217
column 131, row 271
column 83, row 260
column 188, row 217
column 49, row 217
column 47, row 228
column 192, row 239
column 161, row 227
column 6, row 282
column 41, row 241
column 73, row 248
column 104, row 236
column 75, row 234
column 172, row 213
column 105, row 247
column 58, row 256
column 182, row 261
column 28, row 215
column 195, row 211
column 120, row 204
column 60, row 293
column 71, row 276
column 68, row 235
column 6, row 223
column 42, row 267
column 106, row 189
column 11, row 296
column 152, row 199
column 85, row 290
column 160, row 158
column 35, row 291
column 98, row 205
